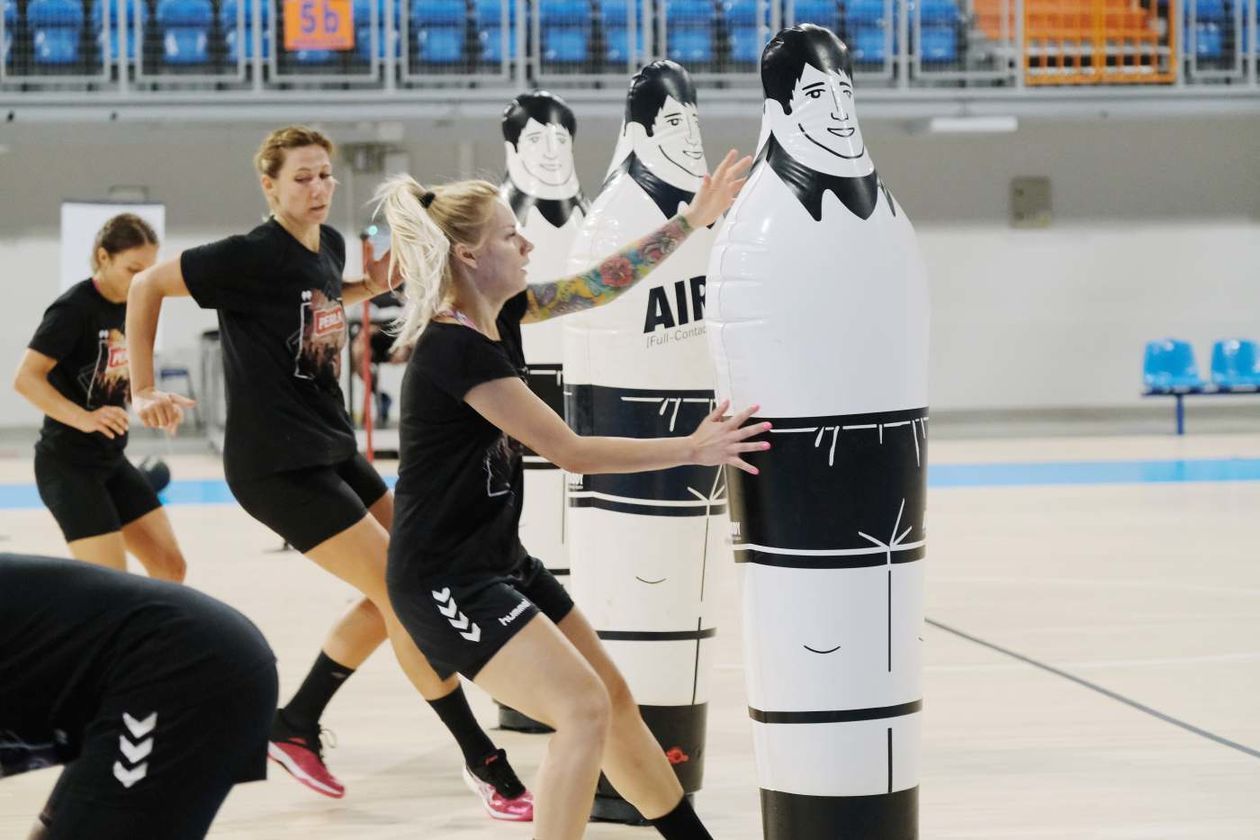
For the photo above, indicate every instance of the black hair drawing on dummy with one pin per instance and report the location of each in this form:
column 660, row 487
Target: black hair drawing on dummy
column 784, row 59
column 543, row 108
column 652, row 85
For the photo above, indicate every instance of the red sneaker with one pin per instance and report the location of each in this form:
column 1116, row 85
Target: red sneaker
column 302, row 754
column 501, row 792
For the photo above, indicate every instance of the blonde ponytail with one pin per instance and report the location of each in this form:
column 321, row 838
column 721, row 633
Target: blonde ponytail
column 423, row 225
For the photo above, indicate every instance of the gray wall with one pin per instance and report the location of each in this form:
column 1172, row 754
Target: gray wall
column 1156, row 231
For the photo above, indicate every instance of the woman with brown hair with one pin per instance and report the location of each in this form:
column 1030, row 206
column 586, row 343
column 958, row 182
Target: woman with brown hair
column 75, row 371
column 290, row 454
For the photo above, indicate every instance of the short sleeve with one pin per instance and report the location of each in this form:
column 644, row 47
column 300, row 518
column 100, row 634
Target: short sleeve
column 515, row 307
column 458, row 359
column 221, row 275
column 337, row 244
column 59, row 331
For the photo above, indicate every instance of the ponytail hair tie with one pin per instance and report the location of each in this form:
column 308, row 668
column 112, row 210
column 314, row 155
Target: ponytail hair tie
column 427, row 199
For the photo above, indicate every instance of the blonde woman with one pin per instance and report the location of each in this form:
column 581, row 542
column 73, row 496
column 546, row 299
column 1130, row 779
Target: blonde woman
column 290, row 454
column 473, row 599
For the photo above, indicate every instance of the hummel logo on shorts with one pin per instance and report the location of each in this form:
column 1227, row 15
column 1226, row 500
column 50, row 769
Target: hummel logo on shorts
column 451, row 612
column 517, row 610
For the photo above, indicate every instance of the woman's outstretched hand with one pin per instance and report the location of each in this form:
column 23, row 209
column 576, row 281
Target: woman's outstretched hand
column 718, row 191
column 722, row 440
column 160, row 410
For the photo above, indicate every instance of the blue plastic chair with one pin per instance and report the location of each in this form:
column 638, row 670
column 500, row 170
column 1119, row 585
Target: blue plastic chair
column 868, row 44
column 748, row 35
column 1169, row 366
column 938, row 44
column 55, row 28
column 488, row 18
column 690, row 25
column 1209, row 41
column 185, row 30
column 440, row 28
column 1235, row 365
column 865, row 13
column 615, row 15
column 1210, row 11
column 234, row 37
column 825, row 13
column 938, row 12
column 564, row 31
column 10, row 25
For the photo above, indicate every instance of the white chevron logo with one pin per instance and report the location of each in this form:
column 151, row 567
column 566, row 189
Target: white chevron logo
column 140, row 728
column 450, row 610
column 130, row 777
column 135, row 753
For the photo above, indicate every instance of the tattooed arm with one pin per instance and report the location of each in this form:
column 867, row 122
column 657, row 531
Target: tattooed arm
column 605, row 281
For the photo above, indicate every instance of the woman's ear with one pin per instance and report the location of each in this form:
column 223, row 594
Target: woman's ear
column 464, row 255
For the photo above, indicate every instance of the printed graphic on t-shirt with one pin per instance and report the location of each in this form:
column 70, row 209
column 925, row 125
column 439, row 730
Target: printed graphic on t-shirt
column 498, row 466
column 320, row 338
column 108, row 379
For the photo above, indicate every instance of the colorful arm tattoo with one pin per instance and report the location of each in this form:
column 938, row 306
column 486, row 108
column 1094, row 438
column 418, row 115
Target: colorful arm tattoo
column 605, row 281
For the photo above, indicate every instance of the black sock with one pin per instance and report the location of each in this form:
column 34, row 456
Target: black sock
column 681, row 824
column 306, row 707
column 455, row 712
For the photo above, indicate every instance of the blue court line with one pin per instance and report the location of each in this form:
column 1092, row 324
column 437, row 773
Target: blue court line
column 1052, row 473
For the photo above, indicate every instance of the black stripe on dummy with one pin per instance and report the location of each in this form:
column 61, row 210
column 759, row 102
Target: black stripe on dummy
column 837, row 716
column 856, row 481
column 656, row 635
column 547, row 381
column 882, row 816
column 639, row 413
column 680, row 730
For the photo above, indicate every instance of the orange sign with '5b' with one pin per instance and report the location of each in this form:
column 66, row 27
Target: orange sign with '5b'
column 318, row 25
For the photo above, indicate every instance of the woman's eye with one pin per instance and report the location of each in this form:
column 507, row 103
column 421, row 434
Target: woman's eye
column 814, row 94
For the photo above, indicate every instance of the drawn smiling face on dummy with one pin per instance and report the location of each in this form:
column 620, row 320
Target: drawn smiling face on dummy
column 806, row 73
column 663, row 126
column 538, row 131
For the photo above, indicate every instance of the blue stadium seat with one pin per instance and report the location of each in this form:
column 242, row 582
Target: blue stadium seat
column 615, row 15
column 133, row 9
column 748, row 35
column 1235, row 365
column 1209, row 41
column 185, row 29
column 825, row 13
column 1169, row 367
column 440, row 31
column 234, row 38
column 868, row 44
column 55, row 28
column 10, row 26
column 564, row 31
column 1209, row 10
column 938, row 12
column 690, row 28
column 362, row 15
column 488, row 18
column 865, row 13
column 938, row 44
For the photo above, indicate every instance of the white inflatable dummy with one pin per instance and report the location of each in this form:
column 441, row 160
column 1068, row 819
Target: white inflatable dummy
column 541, row 186
column 644, row 548
column 818, row 311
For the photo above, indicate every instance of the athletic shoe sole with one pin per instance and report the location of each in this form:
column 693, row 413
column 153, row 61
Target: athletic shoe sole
column 280, row 757
column 474, row 784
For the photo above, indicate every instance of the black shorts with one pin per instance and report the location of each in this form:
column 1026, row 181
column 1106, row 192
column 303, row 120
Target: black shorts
column 460, row 622
column 88, row 501
column 160, row 769
column 309, row 505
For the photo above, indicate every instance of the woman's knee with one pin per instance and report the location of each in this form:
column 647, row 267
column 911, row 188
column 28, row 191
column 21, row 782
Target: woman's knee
column 167, row 563
column 621, row 701
column 588, row 709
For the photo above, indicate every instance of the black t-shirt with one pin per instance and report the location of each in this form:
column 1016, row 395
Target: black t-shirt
column 458, row 500
column 84, row 332
column 283, row 328
column 74, row 634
